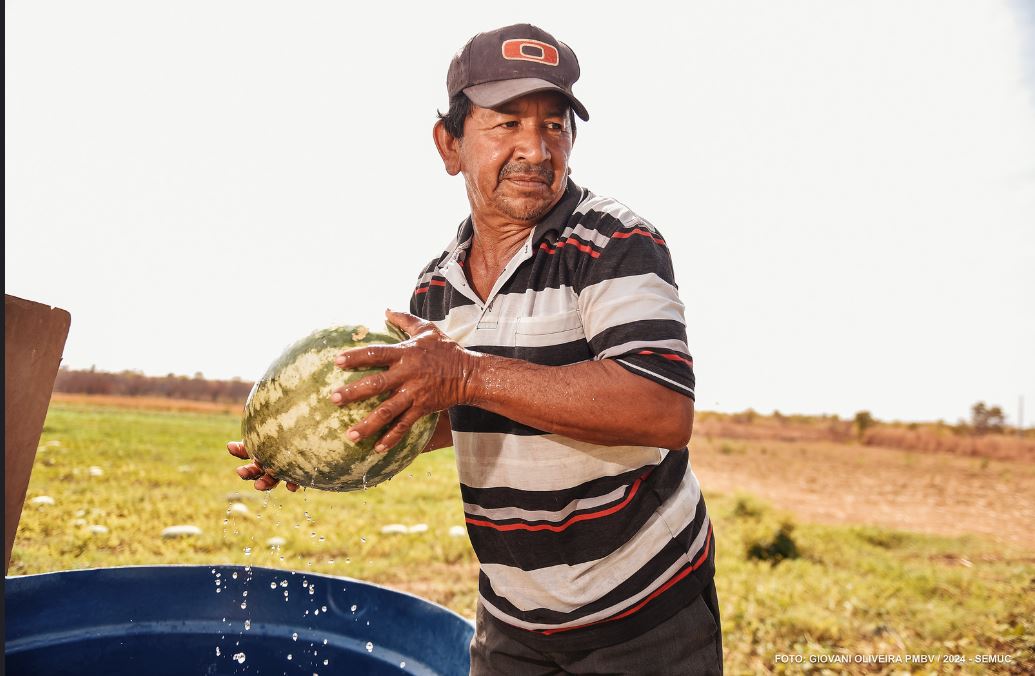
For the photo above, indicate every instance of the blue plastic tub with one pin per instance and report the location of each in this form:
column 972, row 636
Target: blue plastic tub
column 214, row 620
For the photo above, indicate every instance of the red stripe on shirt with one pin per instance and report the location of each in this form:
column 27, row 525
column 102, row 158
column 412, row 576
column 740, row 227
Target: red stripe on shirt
column 673, row 357
column 424, row 288
column 622, row 234
column 557, row 528
column 655, row 594
column 584, row 248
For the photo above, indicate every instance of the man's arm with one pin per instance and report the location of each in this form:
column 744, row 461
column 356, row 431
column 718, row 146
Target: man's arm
column 596, row 401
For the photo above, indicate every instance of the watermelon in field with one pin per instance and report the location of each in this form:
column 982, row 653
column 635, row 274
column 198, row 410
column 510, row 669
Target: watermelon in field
column 294, row 430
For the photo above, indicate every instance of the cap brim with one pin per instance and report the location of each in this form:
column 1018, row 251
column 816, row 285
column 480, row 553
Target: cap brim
column 494, row 94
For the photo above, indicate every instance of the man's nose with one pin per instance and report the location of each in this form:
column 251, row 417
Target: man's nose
column 531, row 145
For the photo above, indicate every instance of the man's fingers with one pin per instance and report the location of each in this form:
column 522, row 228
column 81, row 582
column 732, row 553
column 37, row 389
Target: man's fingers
column 365, row 357
column 408, row 323
column 250, row 471
column 389, row 410
column 291, row 486
column 266, row 482
column 237, row 449
column 364, row 388
column 398, row 431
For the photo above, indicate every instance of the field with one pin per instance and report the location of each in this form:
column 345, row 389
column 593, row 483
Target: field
column 856, row 549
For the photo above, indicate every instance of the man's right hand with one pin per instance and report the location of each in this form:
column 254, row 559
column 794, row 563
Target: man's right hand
column 264, row 481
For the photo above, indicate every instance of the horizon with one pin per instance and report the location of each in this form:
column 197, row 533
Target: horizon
column 761, row 412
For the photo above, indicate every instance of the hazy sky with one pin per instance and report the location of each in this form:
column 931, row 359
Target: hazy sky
column 847, row 188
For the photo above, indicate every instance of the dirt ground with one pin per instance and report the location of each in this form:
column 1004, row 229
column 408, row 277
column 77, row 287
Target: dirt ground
column 825, row 482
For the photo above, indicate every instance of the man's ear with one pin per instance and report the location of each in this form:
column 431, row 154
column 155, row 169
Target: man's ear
column 448, row 148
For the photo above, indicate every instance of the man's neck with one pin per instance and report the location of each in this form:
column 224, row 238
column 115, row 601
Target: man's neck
column 492, row 247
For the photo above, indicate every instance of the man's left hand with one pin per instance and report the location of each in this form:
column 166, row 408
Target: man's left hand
column 427, row 373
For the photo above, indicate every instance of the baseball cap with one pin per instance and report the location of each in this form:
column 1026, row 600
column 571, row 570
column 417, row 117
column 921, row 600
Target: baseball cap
column 503, row 64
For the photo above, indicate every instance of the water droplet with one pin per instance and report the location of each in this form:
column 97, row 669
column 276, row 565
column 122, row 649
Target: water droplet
column 322, row 538
column 239, row 657
column 325, row 662
column 289, row 655
column 244, row 604
column 325, row 641
column 217, row 651
column 218, row 589
column 402, row 665
column 370, row 647
column 354, row 608
column 273, row 585
column 315, row 612
column 245, row 593
column 235, row 575
column 305, row 583
column 247, row 625
column 283, row 583
column 362, row 538
column 294, row 636
column 312, row 590
column 323, row 608
column 247, row 551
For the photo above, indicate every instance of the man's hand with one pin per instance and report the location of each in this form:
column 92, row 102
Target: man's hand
column 427, row 373
column 264, row 481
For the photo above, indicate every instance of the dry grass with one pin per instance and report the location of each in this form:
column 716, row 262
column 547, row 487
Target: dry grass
column 923, row 437
column 145, row 403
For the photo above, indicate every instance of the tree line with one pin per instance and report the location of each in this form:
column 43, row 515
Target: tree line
column 136, row 384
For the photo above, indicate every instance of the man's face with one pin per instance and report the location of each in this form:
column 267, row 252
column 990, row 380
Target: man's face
column 515, row 158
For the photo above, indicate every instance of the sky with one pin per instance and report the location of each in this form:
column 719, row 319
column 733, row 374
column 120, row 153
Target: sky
column 847, row 188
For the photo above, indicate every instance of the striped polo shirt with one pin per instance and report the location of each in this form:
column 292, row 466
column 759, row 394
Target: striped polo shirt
column 580, row 545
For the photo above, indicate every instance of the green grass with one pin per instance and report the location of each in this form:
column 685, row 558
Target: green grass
column 837, row 590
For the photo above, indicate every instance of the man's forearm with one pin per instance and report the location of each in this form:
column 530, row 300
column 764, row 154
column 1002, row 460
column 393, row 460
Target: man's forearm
column 595, row 401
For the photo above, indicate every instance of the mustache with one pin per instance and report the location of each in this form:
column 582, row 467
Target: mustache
column 543, row 171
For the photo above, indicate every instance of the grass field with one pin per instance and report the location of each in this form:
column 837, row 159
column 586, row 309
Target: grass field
column 851, row 589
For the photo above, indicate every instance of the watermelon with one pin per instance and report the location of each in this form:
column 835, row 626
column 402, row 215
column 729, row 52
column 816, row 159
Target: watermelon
column 297, row 434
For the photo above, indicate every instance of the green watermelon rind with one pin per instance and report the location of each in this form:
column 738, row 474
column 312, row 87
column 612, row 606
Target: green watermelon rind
column 291, row 427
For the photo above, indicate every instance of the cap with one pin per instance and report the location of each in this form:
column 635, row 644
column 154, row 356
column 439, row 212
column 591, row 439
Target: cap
column 503, row 64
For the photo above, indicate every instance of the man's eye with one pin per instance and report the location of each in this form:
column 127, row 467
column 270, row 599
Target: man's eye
column 555, row 126
column 509, row 124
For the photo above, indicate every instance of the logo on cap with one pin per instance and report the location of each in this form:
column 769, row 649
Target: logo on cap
column 531, row 50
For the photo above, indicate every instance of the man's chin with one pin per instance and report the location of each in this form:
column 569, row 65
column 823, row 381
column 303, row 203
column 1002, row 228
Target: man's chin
column 529, row 209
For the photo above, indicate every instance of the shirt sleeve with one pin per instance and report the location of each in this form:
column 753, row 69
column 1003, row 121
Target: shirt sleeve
column 631, row 311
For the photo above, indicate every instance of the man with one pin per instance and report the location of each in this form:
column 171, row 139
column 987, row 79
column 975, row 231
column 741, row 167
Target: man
column 551, row 330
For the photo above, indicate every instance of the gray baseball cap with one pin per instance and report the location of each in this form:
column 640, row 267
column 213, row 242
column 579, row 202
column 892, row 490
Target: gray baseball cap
column 503, row 64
